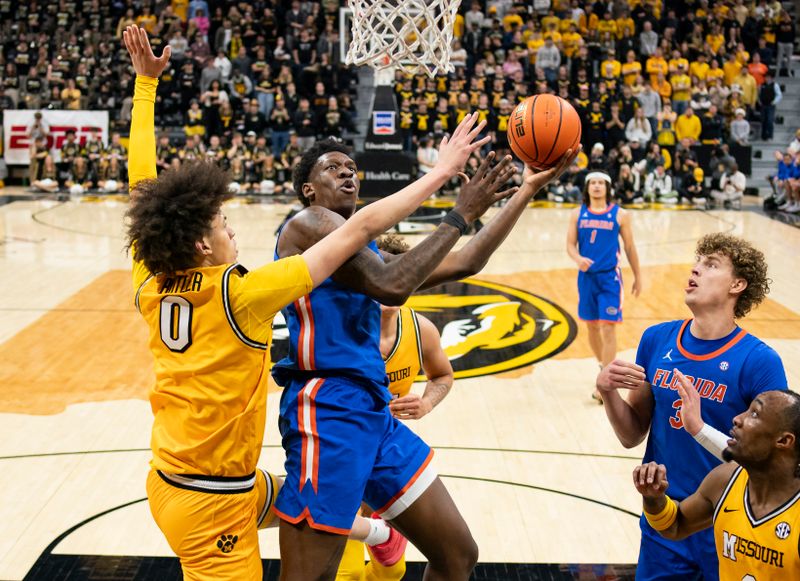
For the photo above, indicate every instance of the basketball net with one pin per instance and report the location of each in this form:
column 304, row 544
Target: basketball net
column 413, row 35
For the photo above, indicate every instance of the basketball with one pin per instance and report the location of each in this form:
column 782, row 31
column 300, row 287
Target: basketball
column 542, row 128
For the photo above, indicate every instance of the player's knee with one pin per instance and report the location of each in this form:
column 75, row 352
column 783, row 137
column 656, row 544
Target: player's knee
column 608, row 330
column 459, row 558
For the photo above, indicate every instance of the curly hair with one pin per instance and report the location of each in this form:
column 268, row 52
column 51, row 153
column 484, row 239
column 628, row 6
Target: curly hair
column 393, row 244
column 748, row 263
column 171, row 213
column 303, row 168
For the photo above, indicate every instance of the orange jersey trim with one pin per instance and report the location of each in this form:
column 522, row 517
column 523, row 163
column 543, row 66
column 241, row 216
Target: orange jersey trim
column 739, row 336
column 306, row 516
column 408, row 485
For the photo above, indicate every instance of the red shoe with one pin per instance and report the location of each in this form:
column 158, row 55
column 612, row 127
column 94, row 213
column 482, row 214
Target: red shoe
column 391, row 551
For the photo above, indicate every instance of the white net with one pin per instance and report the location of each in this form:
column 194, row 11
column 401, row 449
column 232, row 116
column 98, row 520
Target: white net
column 414, row 35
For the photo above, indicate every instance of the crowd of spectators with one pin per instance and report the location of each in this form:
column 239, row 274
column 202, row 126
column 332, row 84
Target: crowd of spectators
column 664, row 99
column 252, row 84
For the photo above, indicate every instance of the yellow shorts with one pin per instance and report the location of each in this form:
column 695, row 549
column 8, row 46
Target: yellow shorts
column 213, row 533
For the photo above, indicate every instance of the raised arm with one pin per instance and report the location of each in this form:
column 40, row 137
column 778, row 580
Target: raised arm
column 342, row 240
column 679, row 520
column 142, row 149
column 626, row 232
column 471, row 259
column 392, row 283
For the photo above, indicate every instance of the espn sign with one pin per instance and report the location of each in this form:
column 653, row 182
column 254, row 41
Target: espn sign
column 16, row 143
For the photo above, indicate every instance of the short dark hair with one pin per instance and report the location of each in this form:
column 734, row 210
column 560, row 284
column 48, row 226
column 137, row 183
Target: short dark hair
column 172, row 212
column 791, row 423
column 748, row 262
column 393, row 244
column 303, row 169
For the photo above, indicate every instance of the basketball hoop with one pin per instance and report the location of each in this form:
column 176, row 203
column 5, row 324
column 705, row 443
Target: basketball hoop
column 413, row 35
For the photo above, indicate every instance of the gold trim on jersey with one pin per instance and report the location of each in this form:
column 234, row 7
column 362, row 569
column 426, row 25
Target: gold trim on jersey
column 754, row 522
column 398, row 335
column 139, row 292
column 226, row 302
column 725, row 493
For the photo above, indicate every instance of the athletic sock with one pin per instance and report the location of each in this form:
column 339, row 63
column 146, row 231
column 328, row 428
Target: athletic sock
column 378, row 532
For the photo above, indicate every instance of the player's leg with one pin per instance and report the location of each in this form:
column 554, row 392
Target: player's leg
column 588, row 313
column 595, row 340
column 405, row 490
column 608, row 338
column 331, row 430
column 435, row 526
column 609, row 293
column 352, row 566
column 308, row 553
column 214, row 535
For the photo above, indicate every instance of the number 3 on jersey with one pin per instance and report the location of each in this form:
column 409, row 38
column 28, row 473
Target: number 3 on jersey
column 676, row 421
column 176, row 323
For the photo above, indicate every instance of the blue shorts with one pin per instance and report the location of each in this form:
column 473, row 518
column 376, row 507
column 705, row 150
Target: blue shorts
column 600, row 296
column 661, row 559
column 343, row 446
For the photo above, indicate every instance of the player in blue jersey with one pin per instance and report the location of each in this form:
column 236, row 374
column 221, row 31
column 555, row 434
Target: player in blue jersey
column 593, row 243
column 342, row 443
column 728, row 367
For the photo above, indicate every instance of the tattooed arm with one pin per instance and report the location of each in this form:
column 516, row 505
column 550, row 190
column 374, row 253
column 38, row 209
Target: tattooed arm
column 392, row 283
column 438, row 371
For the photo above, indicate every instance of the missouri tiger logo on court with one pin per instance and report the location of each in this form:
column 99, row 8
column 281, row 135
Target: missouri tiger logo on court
column 486, row 327
column 490, row 328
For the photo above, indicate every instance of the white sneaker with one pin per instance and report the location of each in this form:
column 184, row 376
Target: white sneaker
column 794, row 208
column 638, row 200
column 784, row 205
column 699, row 201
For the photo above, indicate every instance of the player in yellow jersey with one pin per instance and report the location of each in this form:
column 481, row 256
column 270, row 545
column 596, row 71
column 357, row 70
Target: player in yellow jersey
column 752, row 502
column 409, row 343
column 210, row 331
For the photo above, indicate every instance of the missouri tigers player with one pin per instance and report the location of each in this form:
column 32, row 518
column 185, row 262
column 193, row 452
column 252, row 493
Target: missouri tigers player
column 729, row 367
column 409, row 343
column 210, row 333
column 752, row 503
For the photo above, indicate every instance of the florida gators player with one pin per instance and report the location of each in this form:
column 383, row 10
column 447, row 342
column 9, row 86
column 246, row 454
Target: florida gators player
column 410, row 343
column 342, row 443
column 728, row 367
column 593, row 243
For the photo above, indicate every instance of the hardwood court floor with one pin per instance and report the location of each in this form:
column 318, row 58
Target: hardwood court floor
column 530, row 460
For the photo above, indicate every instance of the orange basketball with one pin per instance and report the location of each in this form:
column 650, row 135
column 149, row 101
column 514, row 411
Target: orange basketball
column 542, row 128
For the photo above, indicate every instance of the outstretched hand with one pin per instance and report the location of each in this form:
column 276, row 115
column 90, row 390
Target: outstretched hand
column 535, row 181
column 480, row 192
column 456, row 149
column 145, row 63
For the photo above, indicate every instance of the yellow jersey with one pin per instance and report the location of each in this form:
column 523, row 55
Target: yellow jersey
column 750, row 548
column 210, row 330
column 404, row 361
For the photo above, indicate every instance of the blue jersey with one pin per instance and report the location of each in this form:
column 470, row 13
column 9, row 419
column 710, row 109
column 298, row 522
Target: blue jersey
column 728, row 374
column 598, row 237
column 334, row 331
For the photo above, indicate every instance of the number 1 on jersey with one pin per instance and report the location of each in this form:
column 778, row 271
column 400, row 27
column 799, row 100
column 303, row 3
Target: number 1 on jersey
column 176, row 323
column 594, row 237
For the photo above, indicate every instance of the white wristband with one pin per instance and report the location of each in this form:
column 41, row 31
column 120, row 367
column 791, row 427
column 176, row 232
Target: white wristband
column 712, row 440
